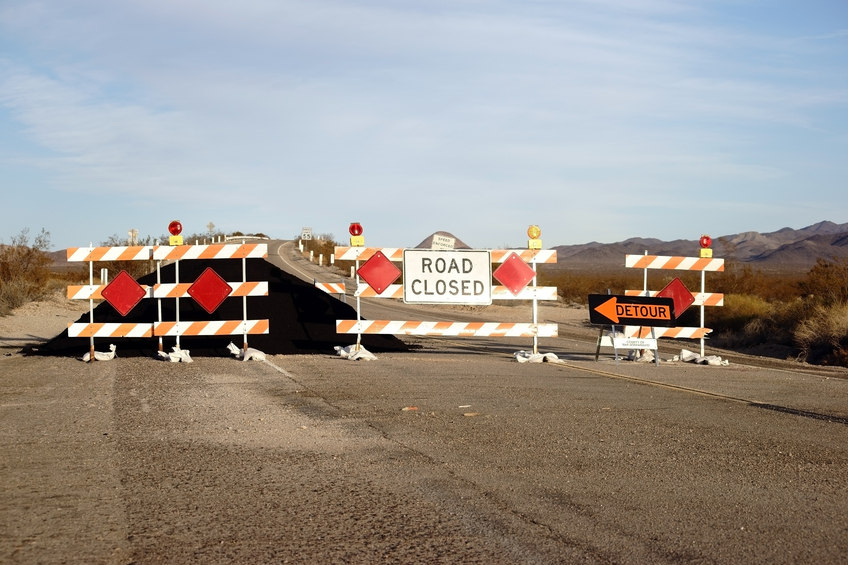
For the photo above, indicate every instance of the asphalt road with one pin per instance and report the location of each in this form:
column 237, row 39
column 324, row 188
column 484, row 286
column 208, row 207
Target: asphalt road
column 453, row 453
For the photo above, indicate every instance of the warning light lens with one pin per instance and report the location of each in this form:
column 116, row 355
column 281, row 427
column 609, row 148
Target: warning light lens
column 705, row 241
column 355, row 229
column 175, row 227
column 533, row 232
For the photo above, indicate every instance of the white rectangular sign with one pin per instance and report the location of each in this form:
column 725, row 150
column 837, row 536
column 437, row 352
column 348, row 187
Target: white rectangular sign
column 443, row 242
column 306, row 234
column 635, row 343
column 447, row 277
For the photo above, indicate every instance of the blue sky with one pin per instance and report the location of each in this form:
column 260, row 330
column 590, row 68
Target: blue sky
column 597, row 120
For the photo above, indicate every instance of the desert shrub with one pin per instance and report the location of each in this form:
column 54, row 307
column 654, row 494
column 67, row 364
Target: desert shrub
column 827, row 282
column 24, row 270
column 737, row 312
column 823, row 335
column 746, row 321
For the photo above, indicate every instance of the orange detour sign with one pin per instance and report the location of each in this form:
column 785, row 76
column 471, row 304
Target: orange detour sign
column 608, row 309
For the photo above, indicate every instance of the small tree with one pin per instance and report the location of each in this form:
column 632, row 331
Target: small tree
column 24, row 270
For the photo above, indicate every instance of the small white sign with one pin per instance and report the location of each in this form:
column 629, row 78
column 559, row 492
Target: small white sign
column 460, row 276
column 443, row 242
column 306, row 234
column 635, row 343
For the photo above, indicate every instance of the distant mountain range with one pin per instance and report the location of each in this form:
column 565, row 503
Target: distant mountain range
column 783, row 250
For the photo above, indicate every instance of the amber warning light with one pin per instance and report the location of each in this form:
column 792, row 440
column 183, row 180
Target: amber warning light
column 533, row 232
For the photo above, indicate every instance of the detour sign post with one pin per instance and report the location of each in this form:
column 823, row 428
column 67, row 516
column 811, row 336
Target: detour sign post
column 608, row 309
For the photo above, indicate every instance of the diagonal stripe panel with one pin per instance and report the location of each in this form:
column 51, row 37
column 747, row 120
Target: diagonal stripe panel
column 701, row 298
column 132, row 253
column 110, row 330
column 464, row 329
column 219, row 327
column 667, row 262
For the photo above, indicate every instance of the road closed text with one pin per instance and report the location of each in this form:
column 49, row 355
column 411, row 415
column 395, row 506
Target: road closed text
column 447, row 277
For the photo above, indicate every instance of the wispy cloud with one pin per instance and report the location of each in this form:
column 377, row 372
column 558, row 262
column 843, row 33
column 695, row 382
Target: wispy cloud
column 484, row 102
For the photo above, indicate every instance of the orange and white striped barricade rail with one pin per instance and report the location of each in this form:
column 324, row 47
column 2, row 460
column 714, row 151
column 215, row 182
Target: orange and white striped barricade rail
column 678, row 263
column 396, row 254
column 174, row 290
column 217, row 251
column 165, row 252
column 445, row 329
column 333, row 288
column 527, row 255
column 367, row 291
column 220, row 327
column 112, row 330
column 701, row 298
column 365, row 253
column 130, row 253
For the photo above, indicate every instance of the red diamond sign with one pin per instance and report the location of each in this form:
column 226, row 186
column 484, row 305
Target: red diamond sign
column 123, row 293
column 209, row 290
column 514, row 274
column 678, row 292
column 379, row 272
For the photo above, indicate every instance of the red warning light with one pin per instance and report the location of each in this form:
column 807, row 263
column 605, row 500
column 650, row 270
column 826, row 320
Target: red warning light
column 705, row 241
column 175, row 227
column 355, row 229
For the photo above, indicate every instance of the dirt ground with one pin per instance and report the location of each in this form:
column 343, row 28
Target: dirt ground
column 38, row 322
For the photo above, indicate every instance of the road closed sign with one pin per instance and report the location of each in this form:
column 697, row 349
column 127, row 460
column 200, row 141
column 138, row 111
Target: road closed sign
column 461, row 276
